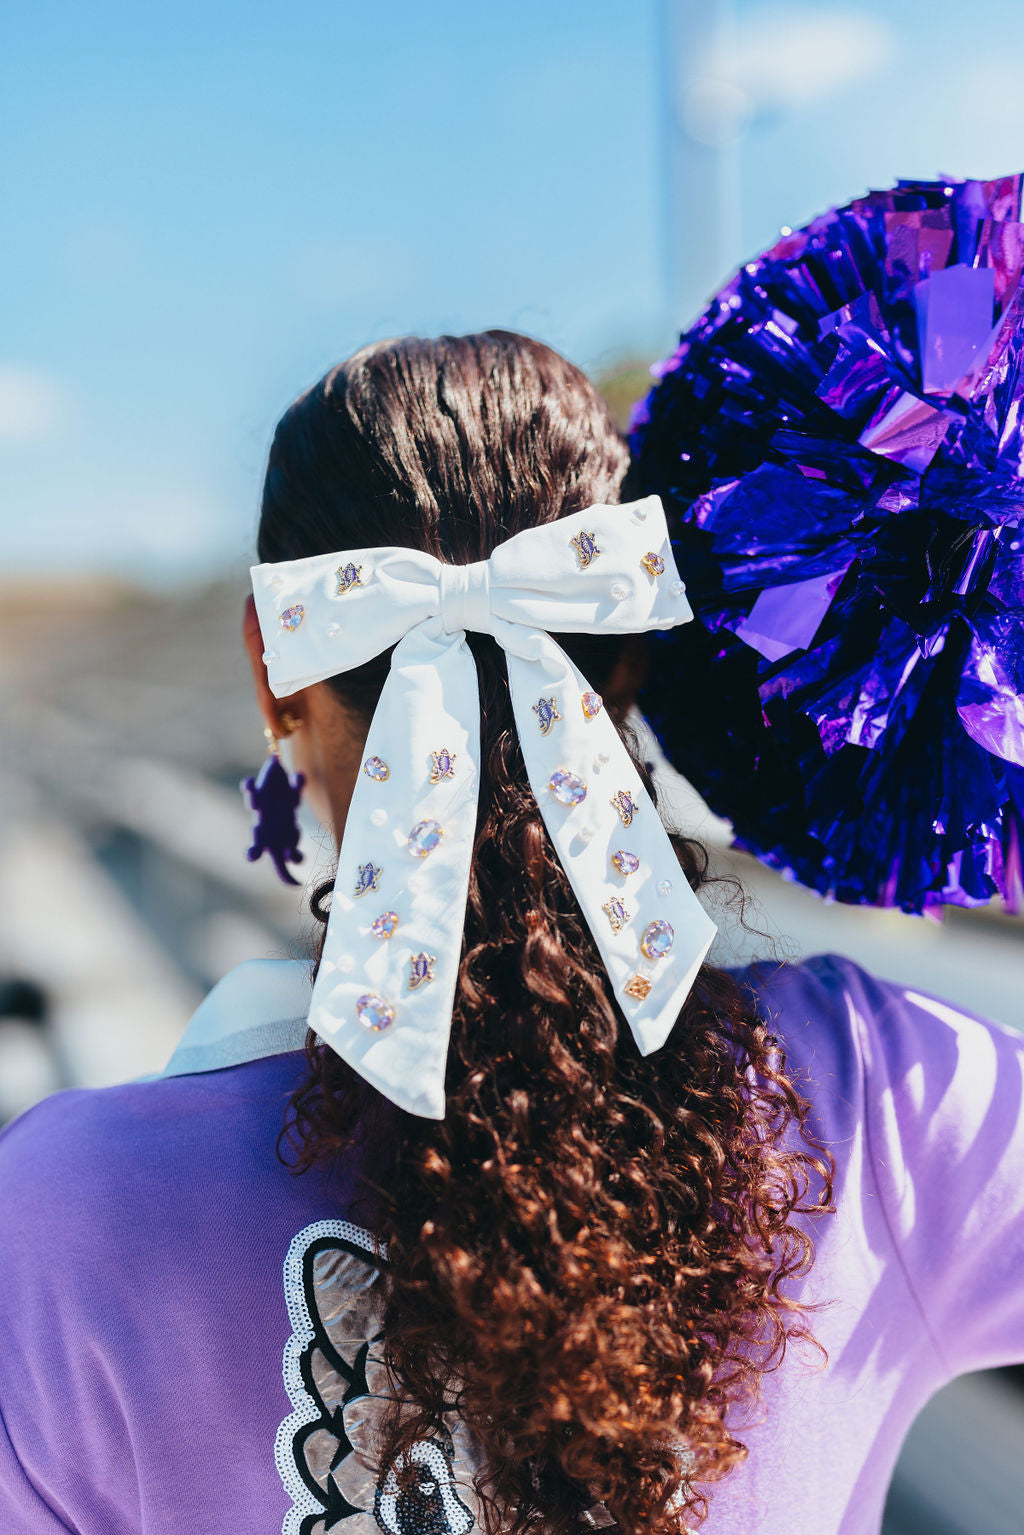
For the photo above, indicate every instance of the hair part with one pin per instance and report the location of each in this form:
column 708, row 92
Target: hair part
column 590, row 1253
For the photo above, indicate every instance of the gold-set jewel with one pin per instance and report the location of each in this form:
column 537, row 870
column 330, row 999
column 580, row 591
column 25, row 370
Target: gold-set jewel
column 444, row 765
column 421, row 969
column 292, row 617
column 591, row 704
column 653, row 563
column 586, row 548
column 638, row 987
column 547, row 713
column 348, row 576
column 618, row 913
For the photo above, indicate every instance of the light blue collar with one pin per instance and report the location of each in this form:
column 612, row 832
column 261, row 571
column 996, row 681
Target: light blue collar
column 257, row 1009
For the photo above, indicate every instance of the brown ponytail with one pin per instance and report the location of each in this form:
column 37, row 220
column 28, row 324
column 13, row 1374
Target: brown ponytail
column 592, row 1248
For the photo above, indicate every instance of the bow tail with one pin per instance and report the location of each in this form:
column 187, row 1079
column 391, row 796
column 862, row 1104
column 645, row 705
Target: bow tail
column 651, row 931
column 403, row 870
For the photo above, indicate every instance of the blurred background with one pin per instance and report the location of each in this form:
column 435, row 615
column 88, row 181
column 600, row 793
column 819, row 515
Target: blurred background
column 207, row 206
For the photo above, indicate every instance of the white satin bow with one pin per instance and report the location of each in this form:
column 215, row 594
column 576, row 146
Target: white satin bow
column 383, row 995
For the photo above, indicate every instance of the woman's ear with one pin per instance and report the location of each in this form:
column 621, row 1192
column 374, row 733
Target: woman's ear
column 269, row 706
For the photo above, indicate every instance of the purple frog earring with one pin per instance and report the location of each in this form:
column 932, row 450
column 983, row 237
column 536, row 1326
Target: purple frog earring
column 274, row 797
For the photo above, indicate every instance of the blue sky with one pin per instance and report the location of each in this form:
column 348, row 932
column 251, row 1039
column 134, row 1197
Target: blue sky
column 207, row 205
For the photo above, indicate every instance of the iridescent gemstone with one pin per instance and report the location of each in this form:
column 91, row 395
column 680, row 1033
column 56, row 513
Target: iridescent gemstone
column 625, row 805
column 421, row 969
column 547, row 713
column 375, row 1011
column 568, row 788
column 626, row 863
column 369, row 878
column 348, row 576
column 653, row 563
column 657, row 939
column 618, row 913
column 586, row 548
column 376, row 767
column 291, row 618
column 444, row 765
column 638, row 987
column 424, row 837
column 592, row 703
column 384, row 926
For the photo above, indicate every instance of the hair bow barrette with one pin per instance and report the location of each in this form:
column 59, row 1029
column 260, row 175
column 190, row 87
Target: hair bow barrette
column 385, row 987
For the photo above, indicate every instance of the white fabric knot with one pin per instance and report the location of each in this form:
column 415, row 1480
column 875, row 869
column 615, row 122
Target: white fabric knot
column 466, row 598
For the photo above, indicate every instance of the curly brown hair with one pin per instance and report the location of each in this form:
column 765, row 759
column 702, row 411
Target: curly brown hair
column 589, row 1254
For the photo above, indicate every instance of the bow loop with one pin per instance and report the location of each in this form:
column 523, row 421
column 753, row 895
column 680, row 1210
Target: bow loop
column 465, row 598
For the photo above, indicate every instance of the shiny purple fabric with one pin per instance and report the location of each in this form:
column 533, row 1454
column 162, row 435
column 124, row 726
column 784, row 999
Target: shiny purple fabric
column 838, row 443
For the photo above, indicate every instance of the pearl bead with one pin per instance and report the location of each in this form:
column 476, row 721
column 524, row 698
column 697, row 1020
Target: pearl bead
column 345, row 963
column 269, row 656
column 602, row 757
column 665, row 887
column 379, row 817
column 678, row 588
column 275, row 583
column 586, row 833
column 639, row 514
column 620, row 592
column 332, row 631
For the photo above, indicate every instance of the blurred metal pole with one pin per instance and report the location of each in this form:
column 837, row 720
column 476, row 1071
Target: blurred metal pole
column 704, row 115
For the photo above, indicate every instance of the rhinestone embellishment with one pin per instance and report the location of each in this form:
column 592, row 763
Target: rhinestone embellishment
column 421, row 969
column 444, row 765
column 653, row 563
column 546, row 712
column 626, row 863
column 374, row 1011
column 424, row 837
column 385, row 925
column 376, row 767
column 591, row 704
column 618, row 913
column 638, row 987
column 586, row 548
column 625, row 804
column 348, row 576
column 568, row 788
column 291, row 618
column 369, row 878
column 657, row 940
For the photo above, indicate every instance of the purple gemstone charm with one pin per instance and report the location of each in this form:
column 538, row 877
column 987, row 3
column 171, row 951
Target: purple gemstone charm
column 658, row 939
column 374, row 1011
column 424, row 837
column 274, row 796
column 618, row 913
column 547, row 713
column 586, row 548
column 653, row 563
column 376, row 767
column 568, row 788
column 421, row 970
column 444, row 765
column 385, row 925
column 291, row 618
column 369, row 878
column 348, row 576
column 591, row 704
column 626, row 863
column 625, row 804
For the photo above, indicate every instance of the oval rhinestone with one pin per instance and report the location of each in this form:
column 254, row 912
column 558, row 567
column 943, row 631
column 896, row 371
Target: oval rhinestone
column 592, row 704
column 424, row 837
column 376, row 767
column 626, row 863
column 653, row 563
column 291, row 618
column 374, row 1011
column 384, row 926
column 657, row 939
column 568, row 788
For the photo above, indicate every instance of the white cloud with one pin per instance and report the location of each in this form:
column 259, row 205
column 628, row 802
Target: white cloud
column 776, row 57
column 31, row 404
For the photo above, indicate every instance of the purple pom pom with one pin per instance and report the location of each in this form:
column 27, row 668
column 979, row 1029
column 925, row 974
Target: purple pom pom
column 839, row 444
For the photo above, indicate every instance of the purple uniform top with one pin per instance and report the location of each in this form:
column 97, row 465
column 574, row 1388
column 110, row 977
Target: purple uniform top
column 189, row 1336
